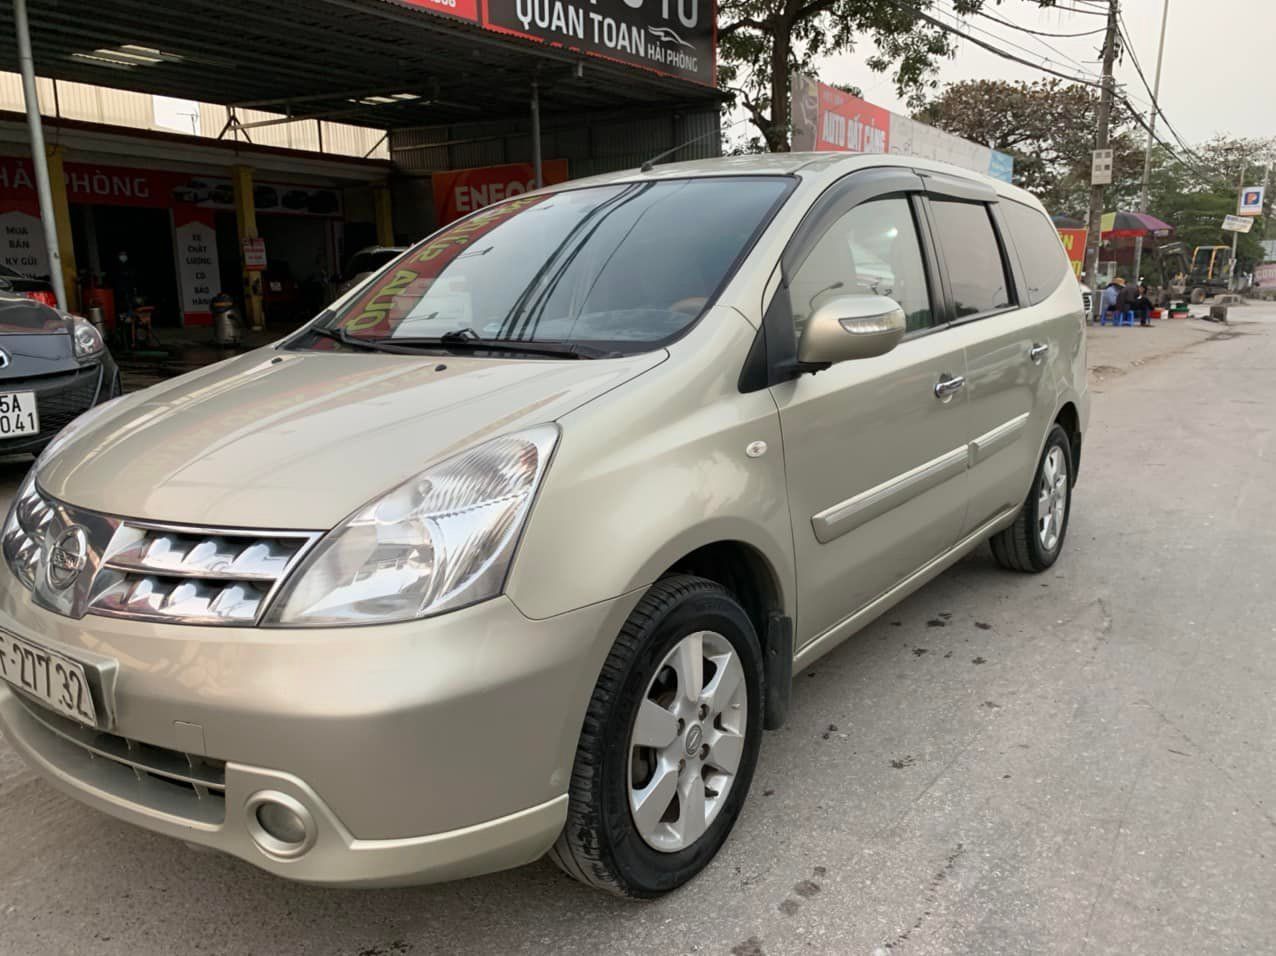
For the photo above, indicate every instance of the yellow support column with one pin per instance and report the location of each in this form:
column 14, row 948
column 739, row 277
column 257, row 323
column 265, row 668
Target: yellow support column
column 384, row 215
column 62, row 222
column 246, row 222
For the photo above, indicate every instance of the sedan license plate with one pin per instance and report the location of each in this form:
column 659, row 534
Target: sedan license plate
column 18, row 414
column 57, row 681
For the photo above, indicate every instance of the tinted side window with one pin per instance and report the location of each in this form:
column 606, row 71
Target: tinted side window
column 871, row 250
column 1041, row 254
column 975, row 269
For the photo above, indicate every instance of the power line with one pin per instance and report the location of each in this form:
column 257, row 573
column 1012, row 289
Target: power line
column 1138, row 118
column 1093, row 13
column 1154, row 104
column 1124, row 99
column 1071, row 61
column 934, row 21
column 1038, row 33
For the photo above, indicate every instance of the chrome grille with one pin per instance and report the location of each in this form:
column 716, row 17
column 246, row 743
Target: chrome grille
column 141, row 570
column 188, row 784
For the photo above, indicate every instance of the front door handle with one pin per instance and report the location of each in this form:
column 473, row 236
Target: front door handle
column 1038, row 352
column 948, row 386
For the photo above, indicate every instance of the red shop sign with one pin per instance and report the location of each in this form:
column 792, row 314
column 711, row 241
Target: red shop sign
column 459, row 192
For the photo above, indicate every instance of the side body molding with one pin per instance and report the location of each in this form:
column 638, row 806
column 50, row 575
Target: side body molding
column 846, row 516
column 1001, row 437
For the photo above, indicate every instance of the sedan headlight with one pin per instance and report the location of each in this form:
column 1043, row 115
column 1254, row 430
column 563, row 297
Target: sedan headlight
column 23, row 532
column 88, row 340
column 441, row 541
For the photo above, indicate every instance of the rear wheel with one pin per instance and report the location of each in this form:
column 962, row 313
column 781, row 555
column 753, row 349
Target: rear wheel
column 669, row 744
column 1034, row 541
column 1198, row 296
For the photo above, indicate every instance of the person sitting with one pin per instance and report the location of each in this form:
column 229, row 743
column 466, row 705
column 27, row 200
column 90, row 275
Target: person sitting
column 1125, row 301
column 1111, row 306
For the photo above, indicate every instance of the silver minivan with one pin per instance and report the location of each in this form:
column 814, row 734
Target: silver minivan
column 515, row 548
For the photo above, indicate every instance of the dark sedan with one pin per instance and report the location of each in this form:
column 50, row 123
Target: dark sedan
column 39, row 289
column 53, row 367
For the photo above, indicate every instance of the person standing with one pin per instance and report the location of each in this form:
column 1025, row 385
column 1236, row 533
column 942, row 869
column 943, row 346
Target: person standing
column 1142, row 306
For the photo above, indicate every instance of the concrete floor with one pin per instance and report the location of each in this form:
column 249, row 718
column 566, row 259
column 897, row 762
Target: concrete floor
column 1078, row 762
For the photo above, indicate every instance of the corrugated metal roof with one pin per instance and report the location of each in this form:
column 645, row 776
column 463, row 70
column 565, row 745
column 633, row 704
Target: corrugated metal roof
column 324, row 58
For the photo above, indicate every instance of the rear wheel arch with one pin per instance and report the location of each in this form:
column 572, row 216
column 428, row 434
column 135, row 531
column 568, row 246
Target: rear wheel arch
column 1069, row 419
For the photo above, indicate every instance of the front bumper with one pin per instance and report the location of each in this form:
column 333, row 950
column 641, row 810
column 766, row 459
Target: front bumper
column 62, row 397
column 421, row 752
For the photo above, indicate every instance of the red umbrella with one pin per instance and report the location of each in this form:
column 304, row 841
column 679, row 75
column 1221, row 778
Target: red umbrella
column 1131, row 225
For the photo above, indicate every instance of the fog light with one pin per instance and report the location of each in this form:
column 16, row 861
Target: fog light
column 280, row 825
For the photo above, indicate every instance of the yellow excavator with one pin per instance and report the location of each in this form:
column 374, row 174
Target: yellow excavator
column 1206, row 273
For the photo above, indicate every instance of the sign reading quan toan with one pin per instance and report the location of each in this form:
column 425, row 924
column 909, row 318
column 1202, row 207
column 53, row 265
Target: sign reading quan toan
column 673, row 37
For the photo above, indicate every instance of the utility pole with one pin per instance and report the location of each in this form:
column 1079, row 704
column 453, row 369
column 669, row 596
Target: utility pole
column 39, row 158
column 1147, row 152
column 1094, row 223
column 1240, row 184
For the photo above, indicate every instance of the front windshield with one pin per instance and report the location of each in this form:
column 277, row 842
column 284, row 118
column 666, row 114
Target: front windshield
column 615, row 269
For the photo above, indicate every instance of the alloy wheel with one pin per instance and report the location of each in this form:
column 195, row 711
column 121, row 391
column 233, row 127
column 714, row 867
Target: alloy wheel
column 1052, row 498
column 687, row 741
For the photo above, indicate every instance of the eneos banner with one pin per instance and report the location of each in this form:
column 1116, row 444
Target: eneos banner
column 458, row 192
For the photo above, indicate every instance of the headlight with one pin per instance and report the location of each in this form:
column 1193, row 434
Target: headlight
column 23, row 532
column 438, row 542
column 88, row 340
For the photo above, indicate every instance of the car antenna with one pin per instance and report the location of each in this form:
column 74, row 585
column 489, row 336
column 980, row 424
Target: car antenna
column 650, row 164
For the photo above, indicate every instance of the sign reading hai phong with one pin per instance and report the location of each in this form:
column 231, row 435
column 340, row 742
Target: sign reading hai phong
column 671, row 37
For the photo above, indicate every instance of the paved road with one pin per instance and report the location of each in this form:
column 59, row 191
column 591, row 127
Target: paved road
column 1077, row 762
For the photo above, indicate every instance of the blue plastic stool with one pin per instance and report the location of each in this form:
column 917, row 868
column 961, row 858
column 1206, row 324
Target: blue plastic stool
column 1127, row 318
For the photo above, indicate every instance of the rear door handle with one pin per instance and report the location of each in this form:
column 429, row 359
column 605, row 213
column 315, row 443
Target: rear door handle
column 1038, row 352
column 948, row 386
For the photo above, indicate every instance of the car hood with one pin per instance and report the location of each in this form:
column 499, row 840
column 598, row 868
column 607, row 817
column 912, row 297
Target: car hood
column 294, row 440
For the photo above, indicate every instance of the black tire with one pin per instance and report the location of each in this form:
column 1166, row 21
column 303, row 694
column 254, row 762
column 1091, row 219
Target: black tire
column 600, row 845
column 1198, row 296
column 1019, row 547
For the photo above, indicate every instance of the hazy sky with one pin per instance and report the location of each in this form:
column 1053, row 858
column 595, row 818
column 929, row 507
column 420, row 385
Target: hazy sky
column 1216, row 77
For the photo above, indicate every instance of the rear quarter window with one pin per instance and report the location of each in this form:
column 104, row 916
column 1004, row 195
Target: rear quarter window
column 1045, row 264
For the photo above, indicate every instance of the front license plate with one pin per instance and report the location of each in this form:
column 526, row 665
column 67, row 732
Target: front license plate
column 18, row 414
column 56, row 681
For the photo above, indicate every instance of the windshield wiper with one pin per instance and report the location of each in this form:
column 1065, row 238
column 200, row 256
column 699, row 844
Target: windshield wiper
column 459, row 340
column 354, row 342
column 470, row 341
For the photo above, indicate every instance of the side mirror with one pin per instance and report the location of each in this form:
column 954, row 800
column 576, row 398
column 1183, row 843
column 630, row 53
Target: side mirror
column 852, row 327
